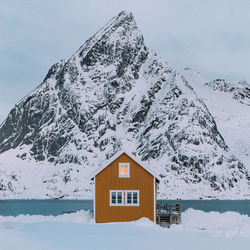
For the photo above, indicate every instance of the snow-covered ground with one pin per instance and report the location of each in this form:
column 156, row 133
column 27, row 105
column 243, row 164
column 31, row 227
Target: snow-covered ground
column 199, row 230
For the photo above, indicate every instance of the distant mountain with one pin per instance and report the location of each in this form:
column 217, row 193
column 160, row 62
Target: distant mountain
column 239, row 92
column 229, row 104
column 116, row 93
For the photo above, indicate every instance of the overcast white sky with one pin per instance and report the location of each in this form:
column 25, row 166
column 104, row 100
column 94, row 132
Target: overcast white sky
column 211, row 37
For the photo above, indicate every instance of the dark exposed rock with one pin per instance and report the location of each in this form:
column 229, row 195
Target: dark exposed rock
column 112, row 88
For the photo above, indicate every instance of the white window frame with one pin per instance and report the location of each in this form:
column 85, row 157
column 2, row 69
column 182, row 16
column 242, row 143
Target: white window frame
column 124, row 198
column 110, row 198
column 138, row 198
column 124, row 163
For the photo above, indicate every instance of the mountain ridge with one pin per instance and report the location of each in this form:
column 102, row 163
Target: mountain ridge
column 114, row 91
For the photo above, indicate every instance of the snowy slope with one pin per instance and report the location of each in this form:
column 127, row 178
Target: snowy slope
column 115, row 93
column 229, row 104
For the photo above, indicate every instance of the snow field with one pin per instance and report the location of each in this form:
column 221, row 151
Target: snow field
column 199, row 230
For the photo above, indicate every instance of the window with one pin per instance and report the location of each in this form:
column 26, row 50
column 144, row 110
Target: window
column 132, row 198
column 116, row 197
column 124, row 170
column 129, row 198
column 124, row 198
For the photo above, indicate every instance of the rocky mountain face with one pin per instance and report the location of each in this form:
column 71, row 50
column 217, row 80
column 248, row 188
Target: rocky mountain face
column 116, row 93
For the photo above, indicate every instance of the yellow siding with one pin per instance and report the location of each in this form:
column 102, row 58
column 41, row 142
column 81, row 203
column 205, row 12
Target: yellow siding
column 108, row 179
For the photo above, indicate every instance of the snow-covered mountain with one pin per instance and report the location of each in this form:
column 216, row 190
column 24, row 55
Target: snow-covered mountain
column 230, row 105
column 116, row 93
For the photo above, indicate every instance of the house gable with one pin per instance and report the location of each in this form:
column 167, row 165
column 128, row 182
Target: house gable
column 132, row 157
column 112, row 170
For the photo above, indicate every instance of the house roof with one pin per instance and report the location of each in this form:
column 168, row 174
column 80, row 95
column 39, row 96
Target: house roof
column 118, row 154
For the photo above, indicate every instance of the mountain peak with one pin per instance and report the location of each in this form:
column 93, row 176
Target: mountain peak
column 125, row 14
column 124, row 17
column 117, row 40
column 114, row 92
column 124, row 20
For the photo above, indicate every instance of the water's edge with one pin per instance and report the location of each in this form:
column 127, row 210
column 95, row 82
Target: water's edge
column 55, row 207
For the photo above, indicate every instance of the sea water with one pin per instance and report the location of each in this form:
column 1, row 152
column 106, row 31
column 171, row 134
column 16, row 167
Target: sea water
column 56, row 207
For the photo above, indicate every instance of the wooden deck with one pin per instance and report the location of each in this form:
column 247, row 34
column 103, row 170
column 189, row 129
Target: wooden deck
column 168, row 214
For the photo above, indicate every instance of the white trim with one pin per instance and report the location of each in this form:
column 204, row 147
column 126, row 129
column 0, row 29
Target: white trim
column 124, row 198
column 94, row 200
column 110, row 198
column 124, row 163
column 138, row 198
column 115, row 156
column 154, row 180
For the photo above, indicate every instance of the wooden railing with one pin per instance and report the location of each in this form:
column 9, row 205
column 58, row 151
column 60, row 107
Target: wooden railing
column 168, row 214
